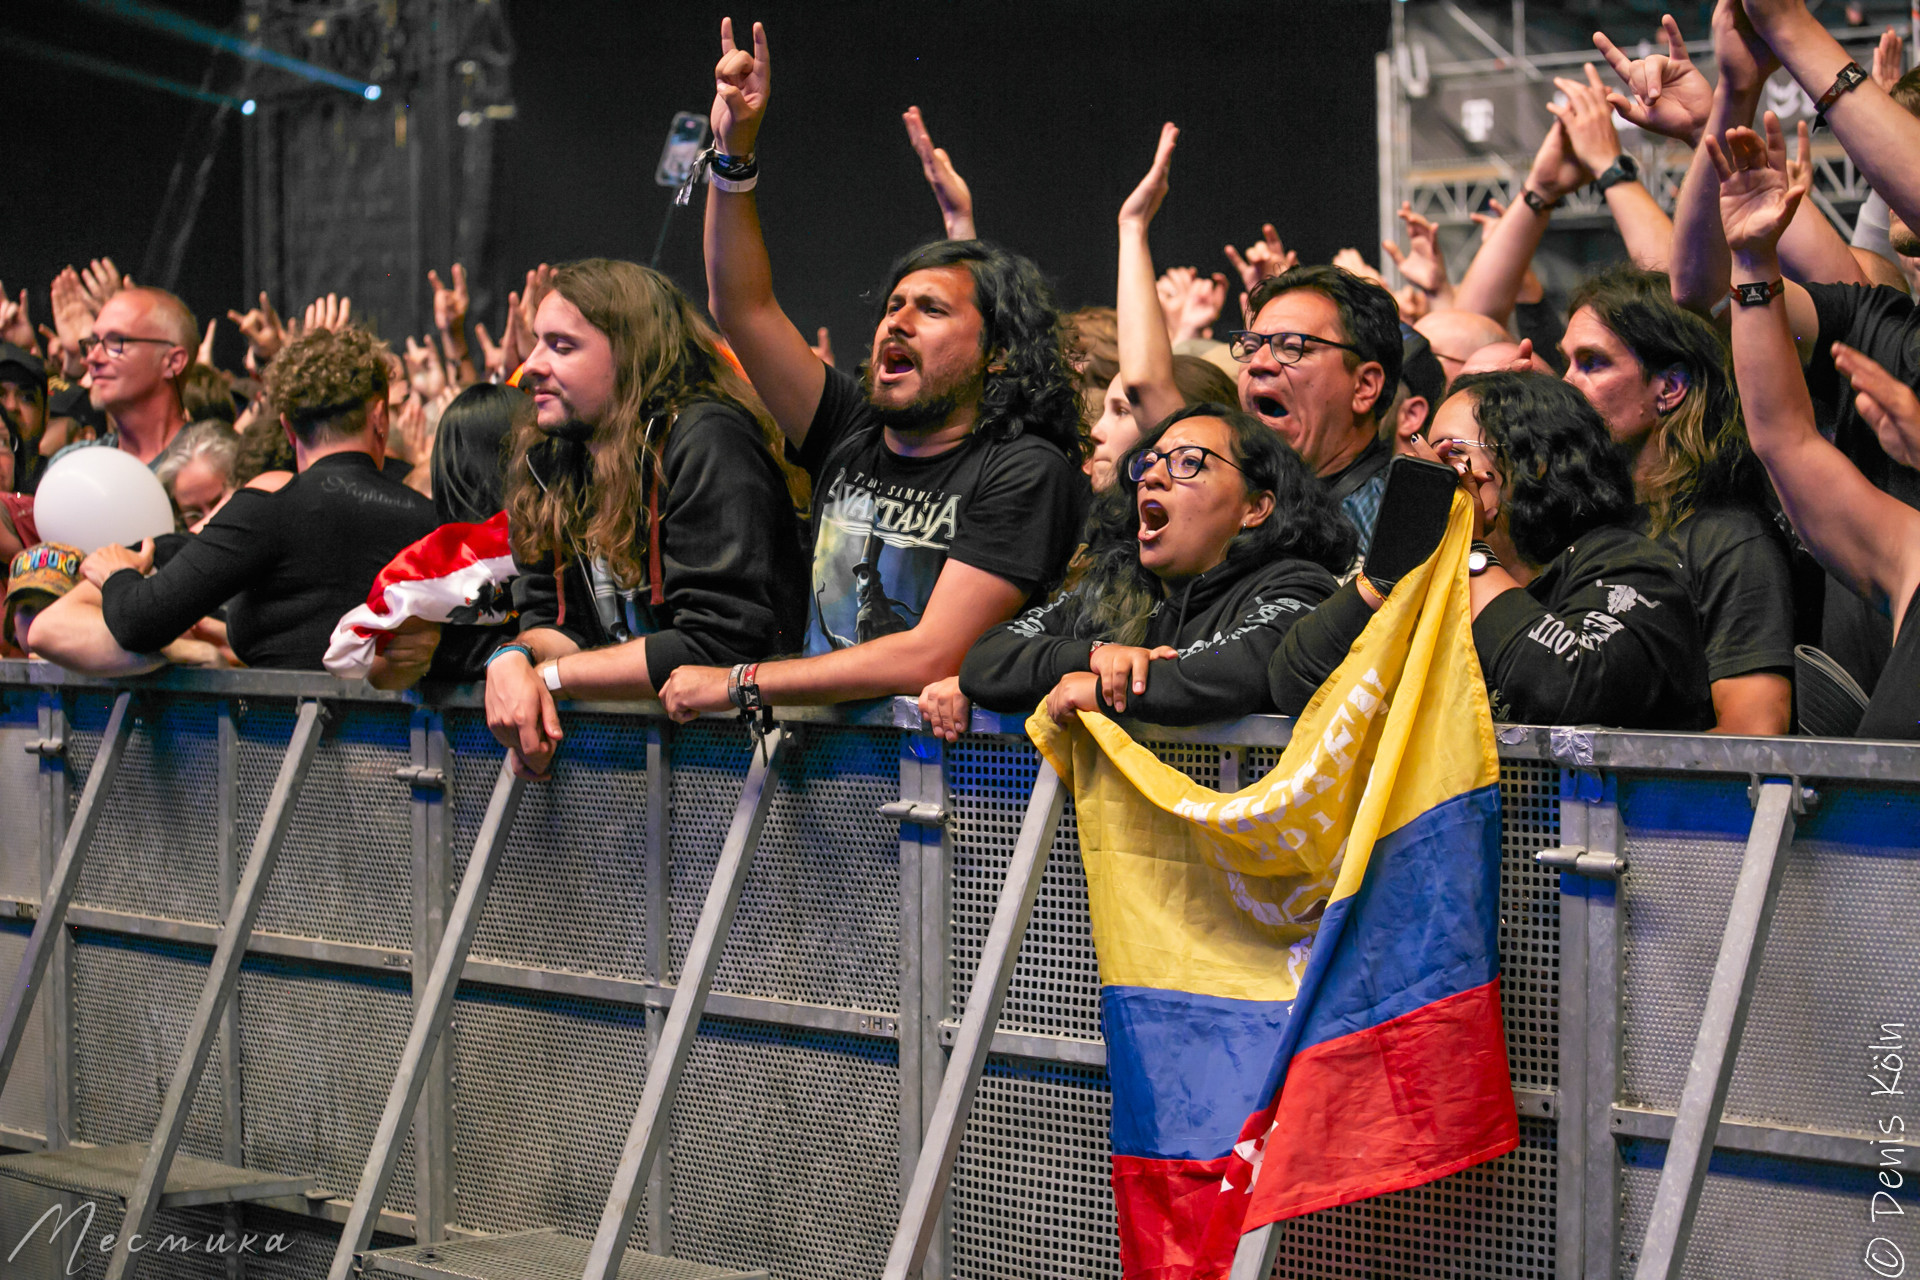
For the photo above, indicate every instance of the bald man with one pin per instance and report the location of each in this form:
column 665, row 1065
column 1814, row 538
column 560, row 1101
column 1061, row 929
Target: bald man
column 1456, row 335
column 142, row 342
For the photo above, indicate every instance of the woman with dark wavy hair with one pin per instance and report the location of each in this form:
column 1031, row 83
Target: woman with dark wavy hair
column 1661, row 378
column 1578, row 618
column 1214, row 539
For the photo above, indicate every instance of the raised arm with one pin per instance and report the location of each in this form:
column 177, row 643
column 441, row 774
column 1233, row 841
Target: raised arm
column 1699, row 266
column 1492, row 283
column 775, row 354
column 1146, row 351
column 1880, row 137
column 950, row 190
column 1588, row 117
column 1867, row 538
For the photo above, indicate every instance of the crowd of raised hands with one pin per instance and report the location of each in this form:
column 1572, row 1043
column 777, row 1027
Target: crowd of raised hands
column 1805, row 314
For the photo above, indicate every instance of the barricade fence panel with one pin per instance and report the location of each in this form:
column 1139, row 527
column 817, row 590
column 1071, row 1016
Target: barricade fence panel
column 795, row 1125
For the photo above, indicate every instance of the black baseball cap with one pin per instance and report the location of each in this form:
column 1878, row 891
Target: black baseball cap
column 75, row 402
column 12, row 357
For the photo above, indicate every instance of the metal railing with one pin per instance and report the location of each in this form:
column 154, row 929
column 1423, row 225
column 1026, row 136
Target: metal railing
column 816, row 1076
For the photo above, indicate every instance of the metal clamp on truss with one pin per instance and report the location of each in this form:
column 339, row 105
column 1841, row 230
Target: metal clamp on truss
column 1804, row 798
column 45, row 748
column 1582, row 861
column 927, row 815
column 422, row 776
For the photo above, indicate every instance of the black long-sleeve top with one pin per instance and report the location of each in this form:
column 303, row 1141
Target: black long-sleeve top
column 733, row 569
column 1225, row 623
column 287, row 564
column 1605, row 635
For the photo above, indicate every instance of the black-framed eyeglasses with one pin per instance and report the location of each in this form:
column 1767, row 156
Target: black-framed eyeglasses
column 1184, row 461
column 1288, row 348
column 116, row 343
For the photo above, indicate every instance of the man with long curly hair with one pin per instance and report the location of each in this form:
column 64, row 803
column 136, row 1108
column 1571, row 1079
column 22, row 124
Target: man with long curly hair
column 945, row 485
column 650, row 520
column 287, row 563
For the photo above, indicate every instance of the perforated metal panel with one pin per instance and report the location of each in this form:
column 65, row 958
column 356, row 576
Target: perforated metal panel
column 1495, row 1219
column 23, row 1104
column 132, row 1000
column 1032, row 1193
column 153, row 852
column 786, row 1151
column 345, row 871
column 1842, row 958
column 1056, row 980
column 570, row 891
column 545, row 1090
column 819, row 919
column 1530, row 923
column 319, row 1049
column 1764, row 1218
column 19, row 797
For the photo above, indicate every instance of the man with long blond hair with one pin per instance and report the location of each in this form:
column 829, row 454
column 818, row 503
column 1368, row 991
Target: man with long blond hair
column 651, row 522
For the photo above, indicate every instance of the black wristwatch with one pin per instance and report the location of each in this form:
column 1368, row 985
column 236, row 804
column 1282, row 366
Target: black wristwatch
column 1623, row 169
column 1537, row 202
column 1480, row 558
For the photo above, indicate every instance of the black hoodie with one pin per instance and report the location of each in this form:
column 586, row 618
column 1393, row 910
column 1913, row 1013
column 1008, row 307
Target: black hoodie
column 733, row 574
column 1226, row 623
column 1605, row 635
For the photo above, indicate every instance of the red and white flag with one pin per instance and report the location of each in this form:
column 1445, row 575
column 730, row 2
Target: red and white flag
column 456, row 574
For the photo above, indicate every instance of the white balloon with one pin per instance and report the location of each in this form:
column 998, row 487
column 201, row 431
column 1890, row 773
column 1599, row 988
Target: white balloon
column 99, row 496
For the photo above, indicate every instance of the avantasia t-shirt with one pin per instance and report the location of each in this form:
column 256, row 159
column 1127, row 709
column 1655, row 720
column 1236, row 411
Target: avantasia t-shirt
column 884, row 525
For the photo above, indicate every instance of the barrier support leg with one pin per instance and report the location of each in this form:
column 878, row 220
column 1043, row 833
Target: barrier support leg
column 222, row 978
column 651, row 1121
column 47, row 930
column 927, row 1192
column 431, row 1015
column 1711, row 1071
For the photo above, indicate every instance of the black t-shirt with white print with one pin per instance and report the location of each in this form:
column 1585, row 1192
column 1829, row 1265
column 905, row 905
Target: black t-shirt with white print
column 884, row 525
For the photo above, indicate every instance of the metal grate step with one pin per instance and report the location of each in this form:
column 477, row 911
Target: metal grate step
column 113, row 1171
column 530, row 1255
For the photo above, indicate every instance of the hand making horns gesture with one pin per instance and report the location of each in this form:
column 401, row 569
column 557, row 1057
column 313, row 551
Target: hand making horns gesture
column 740, row 88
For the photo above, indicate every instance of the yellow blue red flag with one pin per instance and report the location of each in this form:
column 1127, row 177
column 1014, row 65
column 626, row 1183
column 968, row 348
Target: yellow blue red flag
column 1299, row 981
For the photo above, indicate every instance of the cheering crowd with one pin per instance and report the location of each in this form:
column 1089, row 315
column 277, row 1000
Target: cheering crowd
column 1693, row 491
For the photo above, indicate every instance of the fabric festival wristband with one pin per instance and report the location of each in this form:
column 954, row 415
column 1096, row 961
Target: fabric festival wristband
column 1850, row 78
column 1757, row 293
column 736, row 186
column 726, row 166
column 520, row 649
column 1537, row 202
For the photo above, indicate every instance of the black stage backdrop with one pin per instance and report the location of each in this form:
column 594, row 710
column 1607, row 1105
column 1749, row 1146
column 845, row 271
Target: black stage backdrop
column 1049, row 110
column 88, row 158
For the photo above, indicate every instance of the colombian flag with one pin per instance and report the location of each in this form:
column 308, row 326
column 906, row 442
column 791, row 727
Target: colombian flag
column 1299, row 981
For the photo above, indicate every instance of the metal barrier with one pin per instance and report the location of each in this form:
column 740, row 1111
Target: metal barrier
column 815, row 1073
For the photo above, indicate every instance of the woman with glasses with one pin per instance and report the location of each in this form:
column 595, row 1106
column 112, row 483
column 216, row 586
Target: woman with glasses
column 1577, row 618
column 1214, row 540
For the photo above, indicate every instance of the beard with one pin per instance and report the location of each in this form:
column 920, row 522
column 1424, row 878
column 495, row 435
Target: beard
column 1902, row 240
column 930, row 409
column 572, row 430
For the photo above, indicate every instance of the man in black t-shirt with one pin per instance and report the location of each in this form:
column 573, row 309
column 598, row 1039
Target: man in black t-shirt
column 945, row 488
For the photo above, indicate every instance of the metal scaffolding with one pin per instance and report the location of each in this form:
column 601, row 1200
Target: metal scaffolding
column 1462, row 94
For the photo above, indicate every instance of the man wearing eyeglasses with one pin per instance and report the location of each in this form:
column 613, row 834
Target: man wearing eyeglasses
column 143, row 340
column 1319, row 365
